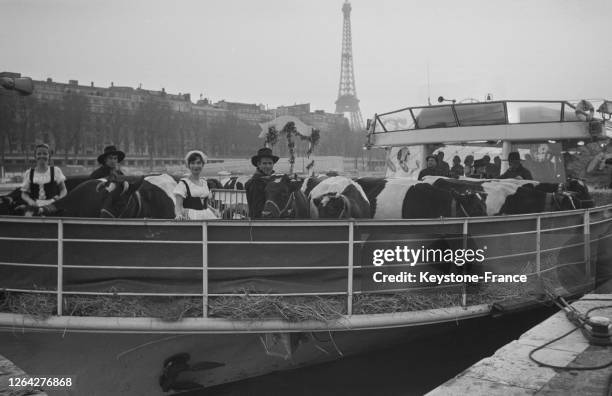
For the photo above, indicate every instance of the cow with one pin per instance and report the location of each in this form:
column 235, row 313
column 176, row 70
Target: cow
column 515, row 196
column 149, row 197
column 213, row 183
column 285, row 192
column 235, row 182
column 285, row 198
column 13, row 204
column 400, row 198
column 88, row 199
column 338, row 197
column 129, row 197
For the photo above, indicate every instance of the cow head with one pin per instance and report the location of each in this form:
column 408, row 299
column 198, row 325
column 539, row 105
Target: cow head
column 213, row 183
column 85, row 200
column 12, row 204
column 470, row 203
column 332, row 206
column 123, row 199
column 284, row 199
column 579, row 192
column 6, row 205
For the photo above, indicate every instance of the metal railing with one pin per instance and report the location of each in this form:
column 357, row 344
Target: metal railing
column 356, row 233
column 473, row 114
column 231, row 204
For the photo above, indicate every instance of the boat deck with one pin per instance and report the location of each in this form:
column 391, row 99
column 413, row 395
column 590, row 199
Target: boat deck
column 510, row 371
column 9, row 370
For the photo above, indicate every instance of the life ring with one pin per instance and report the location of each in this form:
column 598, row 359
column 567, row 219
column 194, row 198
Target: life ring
column 586, row 109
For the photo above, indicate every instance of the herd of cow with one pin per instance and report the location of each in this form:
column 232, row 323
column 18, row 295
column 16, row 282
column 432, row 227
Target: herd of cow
column 318, row 197
column 381, row 198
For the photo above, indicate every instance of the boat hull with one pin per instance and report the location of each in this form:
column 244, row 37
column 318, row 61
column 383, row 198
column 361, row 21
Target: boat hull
column 132, row 364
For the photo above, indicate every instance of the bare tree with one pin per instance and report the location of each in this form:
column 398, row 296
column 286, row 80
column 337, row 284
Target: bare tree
column 76, row 113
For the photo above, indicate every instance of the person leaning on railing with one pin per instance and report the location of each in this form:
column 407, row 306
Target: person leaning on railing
column 43, row 184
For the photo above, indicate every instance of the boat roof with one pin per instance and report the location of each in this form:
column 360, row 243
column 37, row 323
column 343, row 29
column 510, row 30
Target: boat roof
column 512, row 120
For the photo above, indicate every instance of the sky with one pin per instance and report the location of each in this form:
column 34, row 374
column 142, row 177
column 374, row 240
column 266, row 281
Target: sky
column 283, row 52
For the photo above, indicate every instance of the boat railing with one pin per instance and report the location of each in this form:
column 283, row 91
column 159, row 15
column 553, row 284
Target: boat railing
column 314, row 258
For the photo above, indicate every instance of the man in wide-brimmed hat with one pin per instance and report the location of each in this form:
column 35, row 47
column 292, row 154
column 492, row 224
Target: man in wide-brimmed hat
column 255, row 188
column 516, row 169
column 109, row 159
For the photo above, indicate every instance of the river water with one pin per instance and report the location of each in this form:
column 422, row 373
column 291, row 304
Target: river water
column 407, row 369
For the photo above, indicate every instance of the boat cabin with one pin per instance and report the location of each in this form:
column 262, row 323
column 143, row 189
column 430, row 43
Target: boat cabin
column 545, row 133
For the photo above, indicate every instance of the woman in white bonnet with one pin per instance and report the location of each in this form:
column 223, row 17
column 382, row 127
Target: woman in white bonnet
column 191, row 192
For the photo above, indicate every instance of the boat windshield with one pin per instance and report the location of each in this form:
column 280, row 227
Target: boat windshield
column 475, row 114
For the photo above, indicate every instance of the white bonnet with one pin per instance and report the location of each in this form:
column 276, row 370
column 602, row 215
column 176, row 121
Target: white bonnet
column 201, row 154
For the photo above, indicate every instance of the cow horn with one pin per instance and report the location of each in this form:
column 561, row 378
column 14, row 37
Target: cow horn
column 111, row 187
column 101, row 184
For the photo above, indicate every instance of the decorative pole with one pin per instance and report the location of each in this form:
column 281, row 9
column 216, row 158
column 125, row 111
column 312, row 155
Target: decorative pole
column 289, row 130
column 313, row 139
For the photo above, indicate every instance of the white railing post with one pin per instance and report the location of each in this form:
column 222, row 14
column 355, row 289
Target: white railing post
column 60, row 265
column 349, row 307
column 205, row 269
column 463, row 269
column 539, row 246
column 587, row 243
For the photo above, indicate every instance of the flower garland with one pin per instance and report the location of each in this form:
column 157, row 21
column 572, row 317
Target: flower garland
column 289, row 131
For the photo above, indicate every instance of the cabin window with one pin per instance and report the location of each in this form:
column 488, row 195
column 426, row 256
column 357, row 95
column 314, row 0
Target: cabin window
column 481, row 114
column 528, row 112
column 397, row 121
column 569, row 113
column 435, row 117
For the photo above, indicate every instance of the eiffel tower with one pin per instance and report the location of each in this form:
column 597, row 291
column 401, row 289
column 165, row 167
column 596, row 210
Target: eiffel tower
column 347, row 94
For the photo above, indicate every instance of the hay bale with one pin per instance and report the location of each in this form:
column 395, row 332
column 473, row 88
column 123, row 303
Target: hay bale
column 291, row 309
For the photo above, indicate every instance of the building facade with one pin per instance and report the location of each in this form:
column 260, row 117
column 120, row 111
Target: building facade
column 154, row 127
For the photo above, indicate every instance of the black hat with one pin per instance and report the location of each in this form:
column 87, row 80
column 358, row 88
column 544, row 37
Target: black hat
column 431, row 156
column 111, row 150
column 514, row 156
column 479, row 163
column 263, row 153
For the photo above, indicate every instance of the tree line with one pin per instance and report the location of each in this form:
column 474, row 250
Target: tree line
column 73, row 126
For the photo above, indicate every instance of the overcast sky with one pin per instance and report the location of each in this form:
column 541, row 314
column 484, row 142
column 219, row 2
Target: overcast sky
column 281, row 52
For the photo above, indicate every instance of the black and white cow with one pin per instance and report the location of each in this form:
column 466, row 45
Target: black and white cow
column 400, row 198
column 284, row 198
column 514, row 196
column 12, row 203
column 86, row 200
column 153, row 198
column 133, row 197
column 339, row 197
column 235, row 182
column 287, row 196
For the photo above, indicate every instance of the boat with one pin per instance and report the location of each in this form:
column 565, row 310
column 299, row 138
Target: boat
column 224, row 275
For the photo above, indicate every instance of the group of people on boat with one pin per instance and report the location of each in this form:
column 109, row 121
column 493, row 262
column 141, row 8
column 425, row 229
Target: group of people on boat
column 481, row 168
column 191, row 196
column 44, row 184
